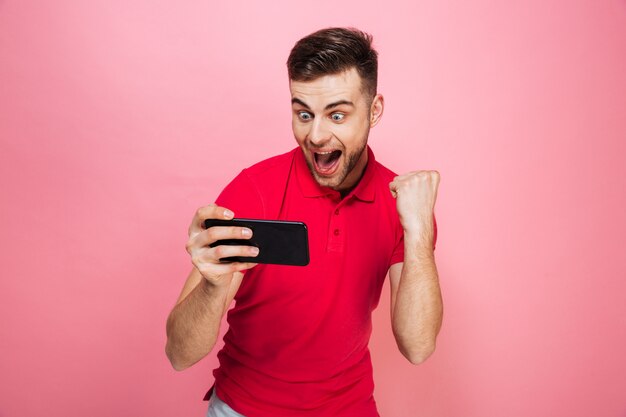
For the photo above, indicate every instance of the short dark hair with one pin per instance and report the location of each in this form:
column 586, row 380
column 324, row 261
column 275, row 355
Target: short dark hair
column 334, row 50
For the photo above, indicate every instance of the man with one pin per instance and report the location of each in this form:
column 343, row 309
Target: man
column 298, row 336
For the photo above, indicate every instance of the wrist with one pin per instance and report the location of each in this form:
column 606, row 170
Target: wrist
column 209, row 287
column 418, row 241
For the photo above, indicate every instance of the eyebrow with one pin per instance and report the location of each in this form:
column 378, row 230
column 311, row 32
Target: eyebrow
column 328, row 107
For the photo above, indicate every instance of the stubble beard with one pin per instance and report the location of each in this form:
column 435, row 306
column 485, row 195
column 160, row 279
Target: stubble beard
column 352, row 161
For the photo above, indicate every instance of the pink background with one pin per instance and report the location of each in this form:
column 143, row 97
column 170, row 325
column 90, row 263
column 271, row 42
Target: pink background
column 118, row 119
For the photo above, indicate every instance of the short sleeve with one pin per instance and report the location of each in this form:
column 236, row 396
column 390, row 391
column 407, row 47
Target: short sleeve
column 398, row 251
column 242, row 197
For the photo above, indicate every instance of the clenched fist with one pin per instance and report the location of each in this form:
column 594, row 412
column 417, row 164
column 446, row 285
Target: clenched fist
column 415, row 194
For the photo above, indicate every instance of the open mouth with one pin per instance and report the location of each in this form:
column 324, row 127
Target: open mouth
column 326, row 162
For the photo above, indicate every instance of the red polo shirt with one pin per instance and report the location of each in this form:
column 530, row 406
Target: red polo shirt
column 297, row 343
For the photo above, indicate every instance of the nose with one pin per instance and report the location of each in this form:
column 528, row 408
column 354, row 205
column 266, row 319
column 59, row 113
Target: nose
column 319, row 133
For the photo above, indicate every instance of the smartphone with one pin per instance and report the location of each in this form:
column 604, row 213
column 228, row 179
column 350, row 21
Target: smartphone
column 279, row 242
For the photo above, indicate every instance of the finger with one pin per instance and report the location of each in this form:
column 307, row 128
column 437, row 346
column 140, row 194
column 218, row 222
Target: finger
column 206, row 259
column 226, row 268
column 207, row 237
column 226, row 251
column 436, row 177
column 215, row 233
column 394, row 186
column 211, row 211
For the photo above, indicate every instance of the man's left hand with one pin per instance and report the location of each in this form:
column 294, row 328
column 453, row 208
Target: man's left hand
column 415, row 194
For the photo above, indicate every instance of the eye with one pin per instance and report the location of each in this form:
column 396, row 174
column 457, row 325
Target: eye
column 304, row 115
column 337, row 117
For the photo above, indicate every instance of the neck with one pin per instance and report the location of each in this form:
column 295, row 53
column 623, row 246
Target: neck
column 358, row 172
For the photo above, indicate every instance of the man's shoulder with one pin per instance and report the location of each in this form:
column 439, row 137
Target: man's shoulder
column 258, row 190
column 267, row 169
column 384, row 173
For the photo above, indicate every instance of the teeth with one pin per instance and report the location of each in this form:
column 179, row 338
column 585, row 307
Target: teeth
column 324, row 153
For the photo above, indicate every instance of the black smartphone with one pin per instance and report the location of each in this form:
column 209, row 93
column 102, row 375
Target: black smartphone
column 279, row 242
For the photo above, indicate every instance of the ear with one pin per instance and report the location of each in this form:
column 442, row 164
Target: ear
column 376, row 109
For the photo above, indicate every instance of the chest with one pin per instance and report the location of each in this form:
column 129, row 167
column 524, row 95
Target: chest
column 350, row 245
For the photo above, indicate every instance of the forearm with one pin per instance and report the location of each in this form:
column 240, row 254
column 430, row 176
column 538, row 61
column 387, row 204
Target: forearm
column 418, row 308
column 193, row 325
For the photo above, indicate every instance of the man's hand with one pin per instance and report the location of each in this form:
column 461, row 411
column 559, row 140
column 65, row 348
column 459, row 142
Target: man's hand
column 207, row 259
column 415, row 194
column 193, row 325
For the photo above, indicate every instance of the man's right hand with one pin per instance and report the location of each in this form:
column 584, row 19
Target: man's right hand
column 207, row 259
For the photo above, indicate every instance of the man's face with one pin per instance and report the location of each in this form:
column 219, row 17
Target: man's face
column 331, row 119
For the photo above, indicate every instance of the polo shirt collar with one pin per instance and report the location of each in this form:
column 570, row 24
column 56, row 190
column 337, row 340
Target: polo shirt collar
column 364, row 191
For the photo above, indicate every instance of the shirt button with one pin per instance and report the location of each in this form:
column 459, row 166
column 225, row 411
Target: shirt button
column 337, row 212
column 336, row 232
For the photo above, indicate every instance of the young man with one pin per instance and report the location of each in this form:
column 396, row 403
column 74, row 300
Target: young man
column 298, row 336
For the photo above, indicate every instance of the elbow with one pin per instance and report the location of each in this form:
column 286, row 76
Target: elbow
column 181, row 358
column 179, row 366
column 177, row 363
column 419, row 355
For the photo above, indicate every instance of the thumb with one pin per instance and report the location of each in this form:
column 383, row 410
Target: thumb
column 394, row 189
